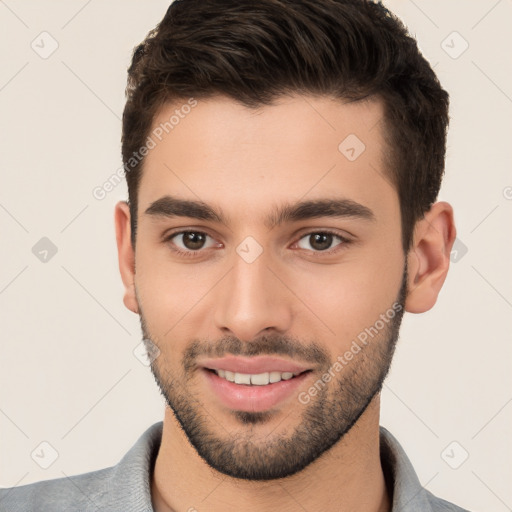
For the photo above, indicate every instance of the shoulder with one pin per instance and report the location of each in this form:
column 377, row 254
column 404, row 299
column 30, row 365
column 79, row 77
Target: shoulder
column 86, row 491
column 124, row 487
column 440, row 505
column 408, row 493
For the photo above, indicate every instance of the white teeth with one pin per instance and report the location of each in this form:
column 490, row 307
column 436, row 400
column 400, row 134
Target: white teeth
column 275, row 376
column 242, row 378
column 260, row 379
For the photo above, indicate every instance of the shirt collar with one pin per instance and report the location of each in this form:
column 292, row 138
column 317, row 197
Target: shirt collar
column 402, row 481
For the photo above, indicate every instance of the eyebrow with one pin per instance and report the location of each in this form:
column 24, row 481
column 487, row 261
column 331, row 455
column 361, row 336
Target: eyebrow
column 170, row 207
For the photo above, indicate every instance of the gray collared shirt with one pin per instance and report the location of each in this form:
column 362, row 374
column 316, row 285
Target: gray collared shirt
column 126, row 487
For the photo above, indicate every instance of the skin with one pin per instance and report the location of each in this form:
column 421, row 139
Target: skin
column 260, row 159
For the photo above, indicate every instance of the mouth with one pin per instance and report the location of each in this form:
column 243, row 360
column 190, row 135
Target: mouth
column 253, row 392
column 257, row 383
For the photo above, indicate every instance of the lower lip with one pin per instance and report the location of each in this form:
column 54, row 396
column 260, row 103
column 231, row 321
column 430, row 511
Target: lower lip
column 242, row 397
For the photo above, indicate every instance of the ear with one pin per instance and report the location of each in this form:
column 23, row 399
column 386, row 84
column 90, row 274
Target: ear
column 429, row 257
column 126, row 254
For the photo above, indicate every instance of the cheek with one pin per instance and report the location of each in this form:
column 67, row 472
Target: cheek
column 348, row 298
column 166, row 295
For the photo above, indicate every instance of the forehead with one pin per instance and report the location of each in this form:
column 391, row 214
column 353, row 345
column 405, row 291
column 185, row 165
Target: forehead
column 221, row 152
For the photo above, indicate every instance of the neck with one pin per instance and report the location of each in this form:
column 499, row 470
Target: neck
column 347, row 477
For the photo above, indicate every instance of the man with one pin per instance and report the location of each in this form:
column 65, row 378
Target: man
column 283, row 161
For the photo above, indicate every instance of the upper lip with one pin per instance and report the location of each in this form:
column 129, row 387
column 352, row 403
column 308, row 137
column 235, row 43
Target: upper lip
column 253, row 365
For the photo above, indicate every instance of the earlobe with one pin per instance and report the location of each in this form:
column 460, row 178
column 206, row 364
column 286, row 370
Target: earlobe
column 429, row 257
column 126, row 255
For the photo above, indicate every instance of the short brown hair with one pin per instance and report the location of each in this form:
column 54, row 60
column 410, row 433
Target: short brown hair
column 256, row 51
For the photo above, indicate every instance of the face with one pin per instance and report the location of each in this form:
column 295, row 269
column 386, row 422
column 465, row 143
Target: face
column 269, row 253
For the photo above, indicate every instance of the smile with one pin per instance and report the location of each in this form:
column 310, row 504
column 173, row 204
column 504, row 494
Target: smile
column 259, row 379
column 253, row 391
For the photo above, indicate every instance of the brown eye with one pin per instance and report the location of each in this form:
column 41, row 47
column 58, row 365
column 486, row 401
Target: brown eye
column 190, row 241
column 320, row 241
column 193, row 240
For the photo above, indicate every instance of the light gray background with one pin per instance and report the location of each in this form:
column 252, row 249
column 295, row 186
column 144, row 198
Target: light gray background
column 68, row 373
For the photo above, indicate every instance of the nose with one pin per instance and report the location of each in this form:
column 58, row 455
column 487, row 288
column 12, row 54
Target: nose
column 252, row 298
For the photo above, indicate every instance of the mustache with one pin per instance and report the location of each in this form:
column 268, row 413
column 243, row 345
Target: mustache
column 269, row 345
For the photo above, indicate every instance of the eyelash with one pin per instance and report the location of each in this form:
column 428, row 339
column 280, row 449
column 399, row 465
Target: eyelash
column 192, row 254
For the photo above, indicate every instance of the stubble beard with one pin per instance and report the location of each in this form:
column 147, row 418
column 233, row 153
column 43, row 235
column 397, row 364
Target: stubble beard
column 325, row 419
